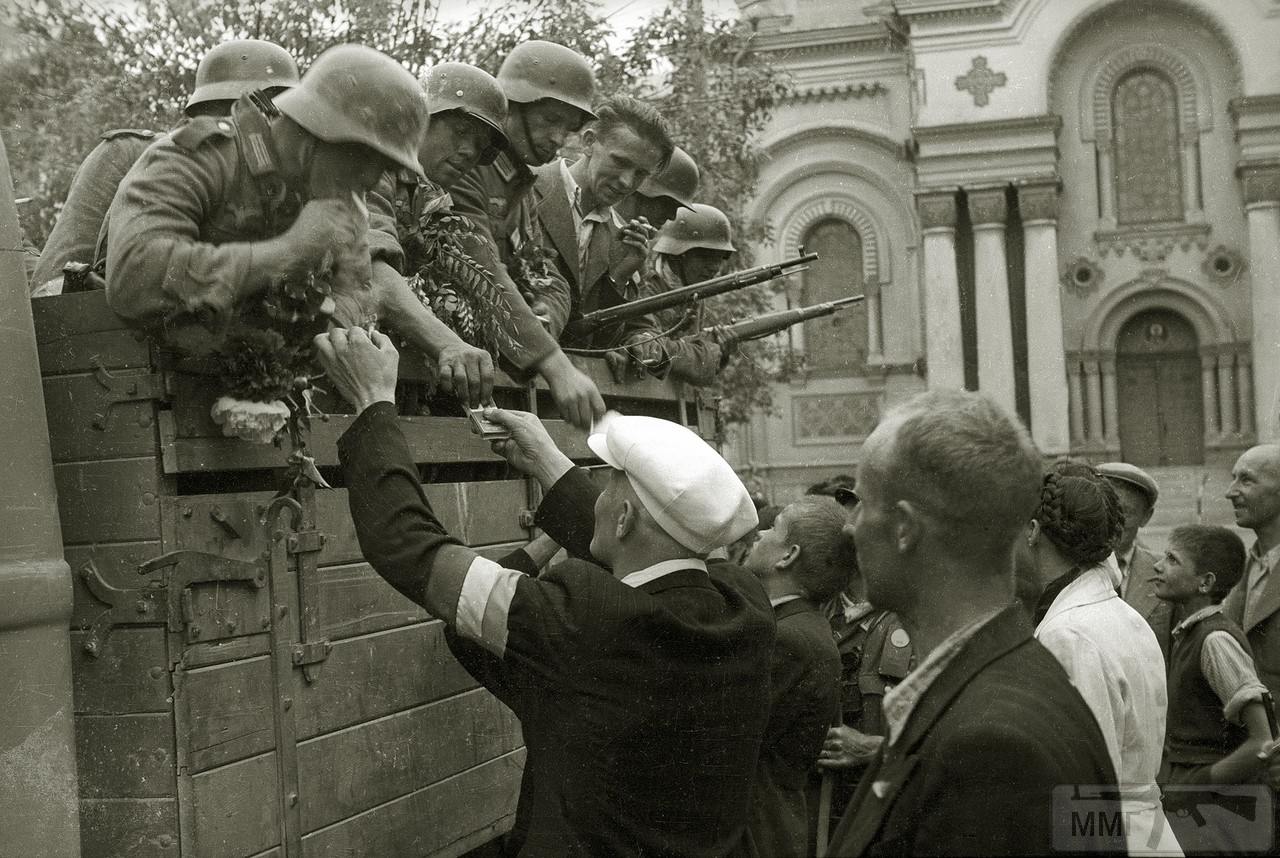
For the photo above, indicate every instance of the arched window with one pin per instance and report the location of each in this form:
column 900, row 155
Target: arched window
column 837, row 344
column 1148, row 155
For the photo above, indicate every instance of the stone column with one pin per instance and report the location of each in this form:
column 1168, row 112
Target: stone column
column 1110, row 404
column 1093, row 399
column 1262, row 210
column 1209, row 394
column 875, row 335
column 1075, row 394
column 1227, row 392
column 1106, row 184
column 988, row 210
column 944, row 347
column 1191, row 175
column 1244, row 391
column 1046, row 356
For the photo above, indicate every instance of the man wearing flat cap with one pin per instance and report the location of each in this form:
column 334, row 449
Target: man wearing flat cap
column 1138, row 493
column 638, row 669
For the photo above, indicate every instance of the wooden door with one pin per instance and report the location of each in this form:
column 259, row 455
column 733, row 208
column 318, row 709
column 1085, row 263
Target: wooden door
column 1158, row 381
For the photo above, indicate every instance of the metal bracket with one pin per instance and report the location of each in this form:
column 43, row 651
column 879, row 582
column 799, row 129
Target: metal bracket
column 525, row 518
column 137, row 387
column 307, row 655
column 182, row 569
column 305, row 542
column 125, row 606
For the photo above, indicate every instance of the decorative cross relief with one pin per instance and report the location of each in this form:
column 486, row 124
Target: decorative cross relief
column 980, row 81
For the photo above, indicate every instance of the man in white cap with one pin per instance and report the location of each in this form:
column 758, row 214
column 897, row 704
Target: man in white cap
column 641, row 679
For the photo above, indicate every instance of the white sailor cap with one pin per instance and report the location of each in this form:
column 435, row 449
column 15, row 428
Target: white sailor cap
column 689, row 489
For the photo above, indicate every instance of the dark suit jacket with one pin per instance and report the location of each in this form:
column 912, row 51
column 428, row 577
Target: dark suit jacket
column 1263, row 631
column 642, row 708
column 1141, row 596
column 975, row 768
column 587, row 289
column 804, row 701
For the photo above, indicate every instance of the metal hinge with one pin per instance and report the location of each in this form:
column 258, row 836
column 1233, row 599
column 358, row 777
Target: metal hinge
column 305, row 541
column 122, row 388
column 311, row 653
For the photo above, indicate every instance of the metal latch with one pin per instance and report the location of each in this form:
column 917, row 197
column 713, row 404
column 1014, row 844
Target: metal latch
column 311, row 653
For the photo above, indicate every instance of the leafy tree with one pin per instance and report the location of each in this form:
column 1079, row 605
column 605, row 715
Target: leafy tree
column 75, row 69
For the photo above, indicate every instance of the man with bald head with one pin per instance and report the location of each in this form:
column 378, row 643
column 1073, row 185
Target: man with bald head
column 1254, row 603
column 987, row 727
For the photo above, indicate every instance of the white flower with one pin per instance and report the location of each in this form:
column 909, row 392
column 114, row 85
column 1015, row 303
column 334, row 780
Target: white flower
column 252, row 421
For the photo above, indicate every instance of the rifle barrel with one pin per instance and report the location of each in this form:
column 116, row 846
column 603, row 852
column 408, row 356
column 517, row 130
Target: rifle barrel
column 694, row 292
column 772, row 323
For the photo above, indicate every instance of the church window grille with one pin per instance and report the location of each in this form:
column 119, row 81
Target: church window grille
column 1148, row 174
column 836, row 344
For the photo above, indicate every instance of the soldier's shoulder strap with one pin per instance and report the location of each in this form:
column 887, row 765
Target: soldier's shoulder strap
column 199, row 130
column 138, row 133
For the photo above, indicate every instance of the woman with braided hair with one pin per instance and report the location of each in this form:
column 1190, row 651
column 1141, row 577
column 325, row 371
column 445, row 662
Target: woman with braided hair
column 1107, row 649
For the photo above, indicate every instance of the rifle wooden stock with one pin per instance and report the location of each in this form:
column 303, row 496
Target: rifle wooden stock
column 771, row 323
column 693, row 292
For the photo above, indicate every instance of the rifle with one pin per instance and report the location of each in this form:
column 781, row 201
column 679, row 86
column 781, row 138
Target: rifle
column 589, row 322
column 771, row 323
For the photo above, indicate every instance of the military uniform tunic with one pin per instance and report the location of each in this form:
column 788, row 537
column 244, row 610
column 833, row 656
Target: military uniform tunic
column 494, row 198
column 75, row 235
column 696, row 358
column 181, row 229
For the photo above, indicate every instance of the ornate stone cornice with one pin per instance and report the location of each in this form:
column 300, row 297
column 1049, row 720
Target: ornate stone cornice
column 1252, row 105
column 836, row 93
column 1152, row 243
column 828, row 207
column 937, row 209
column 988, row 207
column 941, row 9
column 1261, row 181
column 991, row 128
column 874, row 38
column 1038, row 201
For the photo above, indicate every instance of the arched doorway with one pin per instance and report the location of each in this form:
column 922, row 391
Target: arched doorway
column 1161, row 410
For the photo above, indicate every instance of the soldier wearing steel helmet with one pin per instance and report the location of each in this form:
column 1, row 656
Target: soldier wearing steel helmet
column 549, row 90
column 221, row 208
column 226, row 72
column 661, row 197
column 689, row 249
column 467, row 109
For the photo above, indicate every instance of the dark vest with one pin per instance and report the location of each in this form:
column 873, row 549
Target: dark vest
column 1197, row 731
column 871, row 660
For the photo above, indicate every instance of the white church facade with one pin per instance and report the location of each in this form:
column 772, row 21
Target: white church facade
column 1070, row 205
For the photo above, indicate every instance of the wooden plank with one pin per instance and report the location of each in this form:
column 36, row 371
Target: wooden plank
column 432, row 440
column 125, row 756
column 112, row 501
column 235, row 809
column 350, row 771
column 133, row 827
column 444, row 819
column 130, row 673
column 353, row 600
column 227, row 711
column 496, row 552
column 117, row 565
column 374, row 675
column 87, row 422
column 645, row 388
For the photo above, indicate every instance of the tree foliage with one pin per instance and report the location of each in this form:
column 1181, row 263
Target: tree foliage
column 76, row 69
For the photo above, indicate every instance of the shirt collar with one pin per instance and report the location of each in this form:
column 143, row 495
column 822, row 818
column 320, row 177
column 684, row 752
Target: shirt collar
column 1268, row 560
column 782, row 600
column 603, row 214
column 1199, row 615
column 641, row 577
column 900, row 701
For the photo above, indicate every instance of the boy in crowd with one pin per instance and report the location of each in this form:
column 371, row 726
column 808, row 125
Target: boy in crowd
column 1217, row 717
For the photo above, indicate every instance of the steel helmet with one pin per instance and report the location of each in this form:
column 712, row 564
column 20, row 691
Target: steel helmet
column 473, row 91
column 354, row 94
column 535, row 70
column 678, row 180
column 697, row 226
column 231, row 69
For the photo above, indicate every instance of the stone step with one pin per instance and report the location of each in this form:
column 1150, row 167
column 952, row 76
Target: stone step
column 1190, row 494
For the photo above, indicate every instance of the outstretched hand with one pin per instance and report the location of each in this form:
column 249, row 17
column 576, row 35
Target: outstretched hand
column 362, row 369
column 530, row 449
